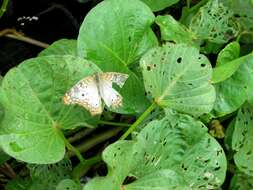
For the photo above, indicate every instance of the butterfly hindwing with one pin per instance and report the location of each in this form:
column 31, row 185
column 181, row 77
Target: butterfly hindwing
column 110, row 96
column 86, row 94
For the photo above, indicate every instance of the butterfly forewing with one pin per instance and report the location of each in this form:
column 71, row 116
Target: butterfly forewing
column 110, row 96
column 86, row 94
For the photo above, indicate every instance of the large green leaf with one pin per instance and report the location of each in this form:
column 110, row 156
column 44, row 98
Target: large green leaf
column 61, row 47
column 242, row 141
column 157, row 5
column 214, row 22
column 178, row 77
column 172, row 30
column 114, row 35
column 173, row 153
column 34, row 111
column 232, row 93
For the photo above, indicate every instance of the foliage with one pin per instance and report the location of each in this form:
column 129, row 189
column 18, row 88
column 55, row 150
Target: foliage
column 187, row 77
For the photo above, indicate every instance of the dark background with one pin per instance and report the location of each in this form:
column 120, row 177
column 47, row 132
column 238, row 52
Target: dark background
column 57, row 19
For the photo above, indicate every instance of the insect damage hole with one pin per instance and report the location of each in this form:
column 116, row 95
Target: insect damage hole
column 179, row 60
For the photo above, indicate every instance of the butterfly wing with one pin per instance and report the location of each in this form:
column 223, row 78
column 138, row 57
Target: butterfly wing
column 110, row 96
column 86, row 94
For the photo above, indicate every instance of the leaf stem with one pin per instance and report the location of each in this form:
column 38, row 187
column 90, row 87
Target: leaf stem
column 114, row 123
column 138, row 121
column 70, row 147
column 81, row 134
column 3, row 7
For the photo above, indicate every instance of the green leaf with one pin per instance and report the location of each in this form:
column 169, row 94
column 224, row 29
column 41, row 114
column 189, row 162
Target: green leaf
column 157, row 5
column 19, row 183
column 227, row 64
column 114, row 35
column 173, row 153
column 214, row 22
column 241, row 181
column 172, row 30
column 242, row 141
column 68, row 184
column 228, row 53
column 48, row 176
column 178, row 77
column 61, row 47
column 232, row 93
column 34, row 111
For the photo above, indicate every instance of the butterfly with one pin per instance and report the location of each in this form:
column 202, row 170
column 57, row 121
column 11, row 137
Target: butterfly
column 89, row 91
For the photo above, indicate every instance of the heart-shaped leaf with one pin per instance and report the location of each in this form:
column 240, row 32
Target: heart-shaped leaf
column 31, row 95
column 173, row 153
column 114, row 35
column 178, row 77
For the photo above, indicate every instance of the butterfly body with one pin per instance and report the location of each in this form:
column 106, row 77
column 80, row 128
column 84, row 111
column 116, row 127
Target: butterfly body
column 89, row 91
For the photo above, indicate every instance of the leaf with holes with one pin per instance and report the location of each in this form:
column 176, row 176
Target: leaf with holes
column 232, row 93
column 48, row 176
column 178, row 77
column 172, row 30
column 214, row 22
column 61, row 47
column 242, row 140
column 31, row 95
column 243, row 14
column 114, row 35
column 157, row 5
column 175, row 152
column 241, row 181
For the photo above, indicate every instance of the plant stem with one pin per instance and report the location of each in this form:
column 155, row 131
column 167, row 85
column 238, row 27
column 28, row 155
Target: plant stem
column 114, row 123
column 96, row 140
column 138, row 121
column 83, row 167
column 70, row 147
column 188, row 4
column 3, row 7
column 81, row 134
column 12, row 33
